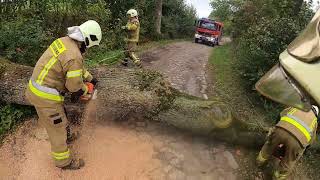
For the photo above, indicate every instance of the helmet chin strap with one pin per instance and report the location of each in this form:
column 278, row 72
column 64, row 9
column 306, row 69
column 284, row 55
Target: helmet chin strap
column 315, row 109
column 83, row 47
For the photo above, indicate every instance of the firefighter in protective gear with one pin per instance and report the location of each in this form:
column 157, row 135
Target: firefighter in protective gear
column 295, row 131
column 292, row 82
column 60, row 70
column 133, row 30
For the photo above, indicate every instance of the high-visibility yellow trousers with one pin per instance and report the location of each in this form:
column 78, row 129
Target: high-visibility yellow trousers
column 130, row 52
column 55, row 121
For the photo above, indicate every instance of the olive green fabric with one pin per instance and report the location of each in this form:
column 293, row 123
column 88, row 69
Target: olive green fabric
column 293, row 151
column 54, row 120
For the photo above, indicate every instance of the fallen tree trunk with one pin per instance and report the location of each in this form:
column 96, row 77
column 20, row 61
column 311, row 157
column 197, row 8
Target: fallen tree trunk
column 13, row 82
column 125, row 94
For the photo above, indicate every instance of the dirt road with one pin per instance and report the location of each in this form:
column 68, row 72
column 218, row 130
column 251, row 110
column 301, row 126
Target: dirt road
column 129, row 151
column 183, row 64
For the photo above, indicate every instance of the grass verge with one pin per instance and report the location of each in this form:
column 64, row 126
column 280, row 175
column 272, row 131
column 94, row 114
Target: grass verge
column 229, row 88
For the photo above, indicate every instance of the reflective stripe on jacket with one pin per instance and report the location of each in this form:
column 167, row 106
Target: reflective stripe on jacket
column 301, row 124
column 45, row 92
column 59, row 68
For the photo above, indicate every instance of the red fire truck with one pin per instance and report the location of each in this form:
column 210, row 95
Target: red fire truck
column 208, row 31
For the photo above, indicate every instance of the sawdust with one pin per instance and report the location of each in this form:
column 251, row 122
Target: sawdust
column 109, row 150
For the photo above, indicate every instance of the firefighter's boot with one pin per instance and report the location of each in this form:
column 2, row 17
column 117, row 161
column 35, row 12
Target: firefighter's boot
column 125, row 62
column 135, row 59
column 138, row 63
column 74, row 165
column 280, row 175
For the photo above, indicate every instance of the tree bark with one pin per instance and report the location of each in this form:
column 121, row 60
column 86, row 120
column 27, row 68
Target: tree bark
column 136, row 94
column 158, row 13
column 13, row 79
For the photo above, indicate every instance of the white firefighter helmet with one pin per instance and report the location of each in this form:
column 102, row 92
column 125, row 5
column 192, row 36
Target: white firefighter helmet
column 132, row 13
column 294, row 81
column 91, row 32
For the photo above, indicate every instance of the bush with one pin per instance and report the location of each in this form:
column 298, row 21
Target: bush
column 28, row 27
column 10, row 115
column 23, row 40
column 258, row 50
column 262, row 34
column 261, row 30
column 178, row 19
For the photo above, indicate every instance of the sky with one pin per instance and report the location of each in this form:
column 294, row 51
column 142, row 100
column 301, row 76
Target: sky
column 204, row 9
column 202, row 6
column 315, row 4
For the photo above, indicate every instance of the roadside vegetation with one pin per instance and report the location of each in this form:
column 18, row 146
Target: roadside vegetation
column 12, row 115
column 228, row 86
column 260, row 31
column 29, row 26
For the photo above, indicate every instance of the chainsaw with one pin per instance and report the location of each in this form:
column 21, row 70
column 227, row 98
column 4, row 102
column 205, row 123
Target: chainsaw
column 91, row 94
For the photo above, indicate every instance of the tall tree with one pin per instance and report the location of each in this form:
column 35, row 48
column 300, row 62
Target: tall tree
column 288, row 8
column 158, row 16
column 221, row 9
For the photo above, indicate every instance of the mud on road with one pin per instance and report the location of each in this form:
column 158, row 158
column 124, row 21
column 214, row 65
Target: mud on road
column 130, row 150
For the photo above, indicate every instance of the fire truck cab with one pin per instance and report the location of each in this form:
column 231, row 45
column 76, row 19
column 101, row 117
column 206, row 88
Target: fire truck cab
column 208, row 31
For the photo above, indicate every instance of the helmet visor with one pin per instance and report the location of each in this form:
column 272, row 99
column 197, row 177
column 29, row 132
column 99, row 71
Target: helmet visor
column 279, row 87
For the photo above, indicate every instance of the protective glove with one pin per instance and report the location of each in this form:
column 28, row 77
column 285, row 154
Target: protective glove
column 90, row 90
column 82, row 95
column 124, row 27
column 76, row 96
column 94, row 81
